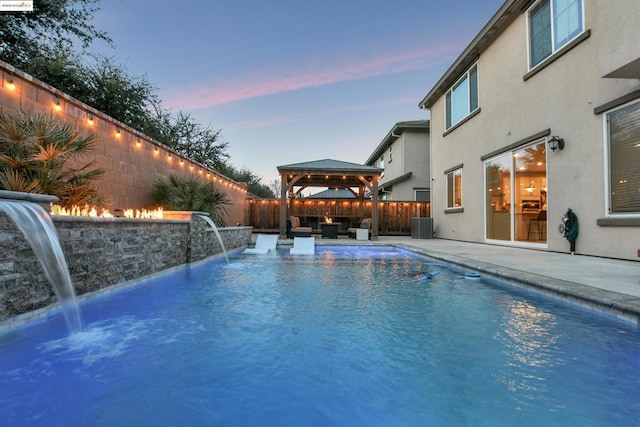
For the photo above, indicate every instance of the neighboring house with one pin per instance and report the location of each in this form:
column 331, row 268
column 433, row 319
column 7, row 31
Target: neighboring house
column 403, row 154
column 333, row 193
column 541, row 74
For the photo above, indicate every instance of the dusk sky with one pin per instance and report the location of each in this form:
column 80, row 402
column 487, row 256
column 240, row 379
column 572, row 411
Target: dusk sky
column 292, row 81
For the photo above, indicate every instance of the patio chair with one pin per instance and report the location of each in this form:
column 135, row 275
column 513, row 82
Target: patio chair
column 264, row 243
column 303, row 246
column 365, row 224
column 294, row 229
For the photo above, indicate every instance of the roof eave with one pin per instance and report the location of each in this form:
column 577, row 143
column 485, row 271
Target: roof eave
column 394, row 133
column 507, row 13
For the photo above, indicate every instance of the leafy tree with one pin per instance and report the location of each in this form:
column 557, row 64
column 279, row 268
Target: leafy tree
column 276, row 186
column 124, row 97
column 53, row 25
column 35, row 153
column 185, row 135
column 62, row 69
column 254, row 184
column 42, row 44
column 191, row 194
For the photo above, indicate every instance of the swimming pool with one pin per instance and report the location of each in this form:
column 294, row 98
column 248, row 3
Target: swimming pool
column 350, row 336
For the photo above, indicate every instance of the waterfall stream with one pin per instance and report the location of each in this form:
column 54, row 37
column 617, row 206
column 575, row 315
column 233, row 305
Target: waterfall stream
column 39, row 230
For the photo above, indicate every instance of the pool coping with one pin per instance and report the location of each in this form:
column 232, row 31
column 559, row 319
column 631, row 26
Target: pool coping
column 622, row 306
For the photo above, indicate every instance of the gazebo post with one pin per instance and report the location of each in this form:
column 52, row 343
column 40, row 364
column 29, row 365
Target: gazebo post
column 284, row 187
column 374, row 209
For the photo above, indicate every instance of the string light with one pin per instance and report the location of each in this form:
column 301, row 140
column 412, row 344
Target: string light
column 10, row 84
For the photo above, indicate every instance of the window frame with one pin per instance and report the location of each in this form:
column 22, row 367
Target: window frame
column 608, row 165
column 470, row 99
column 451, row 197
column 555, row 47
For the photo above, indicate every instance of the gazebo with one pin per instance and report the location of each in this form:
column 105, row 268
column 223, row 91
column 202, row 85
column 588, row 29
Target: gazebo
column 331, row 174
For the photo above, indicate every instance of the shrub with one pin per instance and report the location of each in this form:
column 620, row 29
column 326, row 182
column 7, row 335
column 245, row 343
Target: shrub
column 36, row 153
column 190, row 194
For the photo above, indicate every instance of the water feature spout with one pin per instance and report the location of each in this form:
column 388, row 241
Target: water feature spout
column 39, row 230
column 215, row 230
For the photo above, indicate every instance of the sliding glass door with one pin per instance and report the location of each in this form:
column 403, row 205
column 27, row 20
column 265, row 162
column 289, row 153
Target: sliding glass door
column 516, row 195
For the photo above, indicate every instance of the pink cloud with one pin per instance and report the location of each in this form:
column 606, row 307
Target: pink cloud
column 263, row 122
column 346, row 70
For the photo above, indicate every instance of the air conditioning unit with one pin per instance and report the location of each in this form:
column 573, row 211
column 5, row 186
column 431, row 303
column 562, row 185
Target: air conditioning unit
column 422, row 228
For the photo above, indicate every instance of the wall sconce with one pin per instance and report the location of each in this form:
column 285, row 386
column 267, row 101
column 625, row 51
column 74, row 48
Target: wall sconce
column 57, row 106
column 10, row 83
column 556, row 142
column 90, row 119
column 118, row 133
column 138, row 143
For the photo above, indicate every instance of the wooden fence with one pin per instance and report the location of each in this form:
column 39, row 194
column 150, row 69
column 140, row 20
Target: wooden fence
column 394, row 218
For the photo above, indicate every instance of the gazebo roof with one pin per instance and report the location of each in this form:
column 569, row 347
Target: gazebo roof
column 330, row 173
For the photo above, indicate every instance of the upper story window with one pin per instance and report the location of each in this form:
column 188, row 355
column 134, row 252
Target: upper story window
column 381, row 162
column 462, row 99
column 553, row 24
column 623, row 131
column 390, row 153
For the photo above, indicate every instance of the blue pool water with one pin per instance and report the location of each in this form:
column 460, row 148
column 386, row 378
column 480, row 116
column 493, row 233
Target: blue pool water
column 353, row 337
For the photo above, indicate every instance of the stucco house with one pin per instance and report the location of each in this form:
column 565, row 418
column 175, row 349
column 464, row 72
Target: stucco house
column 403, row 155
column 541, row 114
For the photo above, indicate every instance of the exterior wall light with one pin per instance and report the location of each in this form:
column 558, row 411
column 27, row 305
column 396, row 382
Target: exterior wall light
column 57, row 106
column 10, row 83
column 556, row 142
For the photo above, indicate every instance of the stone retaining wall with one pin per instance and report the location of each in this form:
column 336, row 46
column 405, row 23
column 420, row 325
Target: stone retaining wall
column 101, row 252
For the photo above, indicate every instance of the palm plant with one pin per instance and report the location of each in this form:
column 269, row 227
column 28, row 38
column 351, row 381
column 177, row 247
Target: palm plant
column 37, row 155
column 190, row 194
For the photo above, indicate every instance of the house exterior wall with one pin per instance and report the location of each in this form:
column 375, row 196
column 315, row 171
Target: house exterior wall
column 394, row 168
column 130, row 169
column 561, row 98
column 416, row 161
column 410, row 154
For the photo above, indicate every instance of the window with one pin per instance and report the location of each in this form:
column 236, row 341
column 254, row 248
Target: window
column 552, row 24
column 390, row 153
column 624, row 159
column 381, row 163
column 462, row 99
column 454, row 189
